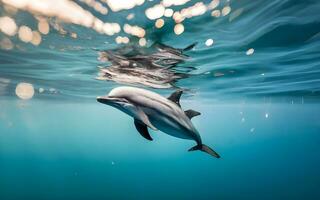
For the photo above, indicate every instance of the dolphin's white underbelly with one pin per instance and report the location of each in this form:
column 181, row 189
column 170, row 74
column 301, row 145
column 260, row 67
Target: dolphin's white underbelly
column 171, row 128
column 166, row 124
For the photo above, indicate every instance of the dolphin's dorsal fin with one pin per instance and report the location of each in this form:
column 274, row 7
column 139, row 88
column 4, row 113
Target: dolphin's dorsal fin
column 175, row 97
column 143, row 129
column 191, row 113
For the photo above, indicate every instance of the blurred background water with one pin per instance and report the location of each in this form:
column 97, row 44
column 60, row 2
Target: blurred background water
column 254, row 74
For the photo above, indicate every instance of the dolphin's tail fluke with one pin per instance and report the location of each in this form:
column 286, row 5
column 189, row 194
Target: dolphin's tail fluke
column 206, row 149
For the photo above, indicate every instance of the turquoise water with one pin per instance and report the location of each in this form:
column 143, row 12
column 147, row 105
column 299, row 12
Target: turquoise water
column 260, row 112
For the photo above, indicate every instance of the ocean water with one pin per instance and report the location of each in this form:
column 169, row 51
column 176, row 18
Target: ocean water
column 257, row 87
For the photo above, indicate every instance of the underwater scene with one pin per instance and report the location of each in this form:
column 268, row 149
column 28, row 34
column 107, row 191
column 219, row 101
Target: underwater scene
column 159, row 99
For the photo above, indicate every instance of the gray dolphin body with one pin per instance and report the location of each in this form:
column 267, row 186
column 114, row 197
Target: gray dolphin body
column 152, row 110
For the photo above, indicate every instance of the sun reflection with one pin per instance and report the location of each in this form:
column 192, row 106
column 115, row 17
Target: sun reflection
column 107, row 28
column 142, row 41
column 96, row 5
column 43, row 27
column 159, row 23
column 213, row 4
column 250, row 52
column 168, row 12
column 178, row 29
column 155, row 12
column 195, row 10
column 177, row 17
column 117, row 5
column 134, row 30
column 120, row 40
column 168, row 3
column 41, row 90
column 8, row 26
column 36, row 38
column 74, row 35
column 25, row 34
column 209, row 42
column 216, row 13
column 25, row 91
column 226, row 10
column 53, row 91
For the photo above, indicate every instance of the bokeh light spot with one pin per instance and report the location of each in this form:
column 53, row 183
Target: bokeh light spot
column 24, row 91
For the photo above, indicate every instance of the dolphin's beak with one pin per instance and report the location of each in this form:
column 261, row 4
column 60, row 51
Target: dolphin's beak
column 105, row 99
column 112, row 101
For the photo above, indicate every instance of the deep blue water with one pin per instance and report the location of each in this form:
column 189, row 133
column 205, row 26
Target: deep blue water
column 260, row 112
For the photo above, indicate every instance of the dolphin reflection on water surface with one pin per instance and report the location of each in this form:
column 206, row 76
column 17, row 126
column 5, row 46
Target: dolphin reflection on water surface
column 152, row 67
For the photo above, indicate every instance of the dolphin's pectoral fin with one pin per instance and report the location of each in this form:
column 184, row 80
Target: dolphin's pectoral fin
column 206, row 149
column 142, row 129
column 191, row 113
column 175, row 97
column 145, row 119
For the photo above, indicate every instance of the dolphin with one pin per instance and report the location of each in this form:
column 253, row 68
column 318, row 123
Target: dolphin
column 151, row 110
